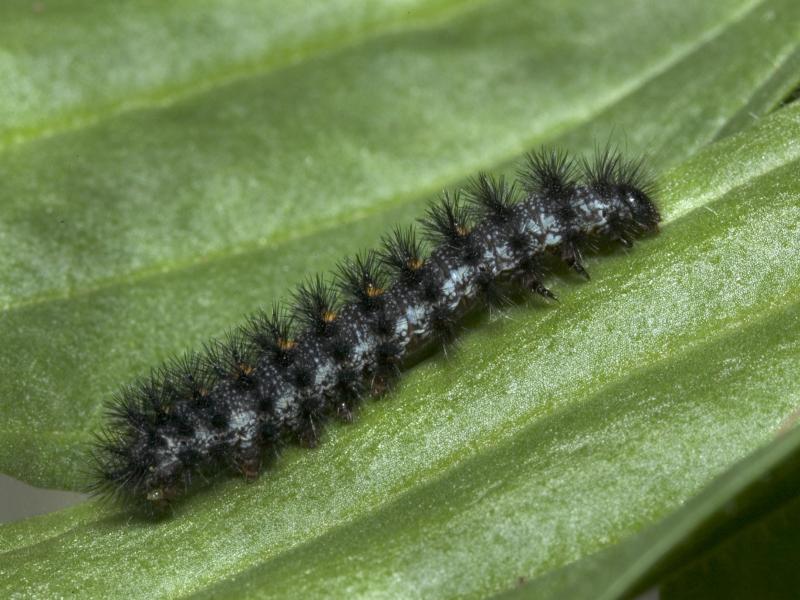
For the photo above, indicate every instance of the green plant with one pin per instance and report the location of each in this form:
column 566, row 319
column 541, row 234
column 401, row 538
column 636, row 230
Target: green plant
column 168, row 167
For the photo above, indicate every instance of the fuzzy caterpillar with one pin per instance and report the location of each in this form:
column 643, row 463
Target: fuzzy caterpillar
column 279, row 377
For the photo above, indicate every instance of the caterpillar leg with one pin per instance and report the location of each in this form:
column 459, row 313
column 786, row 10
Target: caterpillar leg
column 571, row 254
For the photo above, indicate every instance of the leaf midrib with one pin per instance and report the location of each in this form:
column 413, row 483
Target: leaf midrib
column 458, row 173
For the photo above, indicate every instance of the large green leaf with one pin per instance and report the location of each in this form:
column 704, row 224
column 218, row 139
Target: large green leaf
column 557, row 432
column 450, row 491
column 142, row 235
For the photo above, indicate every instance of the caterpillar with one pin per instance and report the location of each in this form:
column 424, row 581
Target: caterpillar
column 278, row 378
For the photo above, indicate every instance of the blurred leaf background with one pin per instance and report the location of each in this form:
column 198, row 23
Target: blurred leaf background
column 166, row 168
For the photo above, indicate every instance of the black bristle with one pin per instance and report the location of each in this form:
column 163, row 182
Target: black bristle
column 430, row 285
column 188, row 378
column 520, row 241
column 148, row 397
column 340, row 348
column 272, row 334
column 349, row 384
column 302, row 375
column 602, row 173
column 492, row 198
column 350, row 389
column 114, row 470
column 447, row 221
column 231, row 358
column 126, row 409
column 310, row 422
column 402, row 255
column 183, row 419
column 609, row 169
column 362, row 280
column 471, row 252
column 444, row 324
column 634, row 173
column 388, row 355
column 383, row 324
column 490, row 290
column 316, row 306
column 549, row 173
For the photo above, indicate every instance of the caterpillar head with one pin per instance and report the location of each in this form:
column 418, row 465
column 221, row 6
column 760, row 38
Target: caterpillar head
column 618, row 196
column 638, row 212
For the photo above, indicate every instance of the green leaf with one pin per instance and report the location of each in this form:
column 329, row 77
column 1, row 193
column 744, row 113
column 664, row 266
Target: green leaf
column 736, row 539
column 148, row 232
column 554, row 433
column 74, row 63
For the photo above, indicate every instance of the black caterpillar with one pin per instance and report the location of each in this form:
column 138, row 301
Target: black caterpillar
column 278, row 378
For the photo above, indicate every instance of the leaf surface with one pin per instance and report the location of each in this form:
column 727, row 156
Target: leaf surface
column 141, row 230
